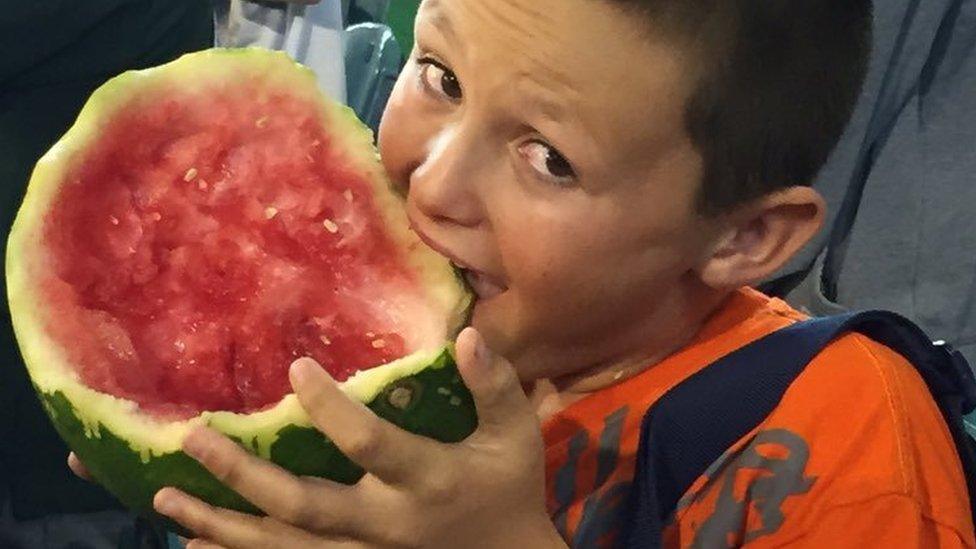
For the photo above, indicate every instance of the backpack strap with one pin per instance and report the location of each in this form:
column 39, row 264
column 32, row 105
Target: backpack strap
column 697, row 421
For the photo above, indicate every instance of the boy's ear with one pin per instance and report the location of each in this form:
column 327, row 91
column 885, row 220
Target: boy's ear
column 762, row 236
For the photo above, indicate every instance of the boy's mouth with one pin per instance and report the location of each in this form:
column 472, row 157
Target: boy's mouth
column 482, row 285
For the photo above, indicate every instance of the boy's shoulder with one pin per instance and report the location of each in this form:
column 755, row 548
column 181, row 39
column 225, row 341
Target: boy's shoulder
column 872, row 417
column 862, row 437
column 856, row 449
column 861, row 403
column 856, row 445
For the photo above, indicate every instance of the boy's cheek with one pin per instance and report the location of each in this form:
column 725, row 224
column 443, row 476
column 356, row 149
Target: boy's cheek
column 403, row 136
column 392, row 152
column 392, row 124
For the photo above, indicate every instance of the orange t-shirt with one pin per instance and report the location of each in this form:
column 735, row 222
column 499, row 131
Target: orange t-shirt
column 855, row 455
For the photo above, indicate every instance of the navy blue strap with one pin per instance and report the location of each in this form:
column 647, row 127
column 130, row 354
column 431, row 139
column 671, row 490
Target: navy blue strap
column 694, row 423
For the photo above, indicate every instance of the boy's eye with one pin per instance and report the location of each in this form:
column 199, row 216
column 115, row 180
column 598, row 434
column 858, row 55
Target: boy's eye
column 439, row 79
column 548, row 162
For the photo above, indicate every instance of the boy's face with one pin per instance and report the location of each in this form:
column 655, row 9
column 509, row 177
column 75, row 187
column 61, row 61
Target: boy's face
column 544, row 149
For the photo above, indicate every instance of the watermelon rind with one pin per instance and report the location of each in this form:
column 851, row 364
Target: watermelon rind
column 439, row 406
column 133, row 454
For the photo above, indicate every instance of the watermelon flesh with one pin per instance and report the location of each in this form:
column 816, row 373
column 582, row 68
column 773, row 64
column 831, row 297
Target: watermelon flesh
column 206, row 240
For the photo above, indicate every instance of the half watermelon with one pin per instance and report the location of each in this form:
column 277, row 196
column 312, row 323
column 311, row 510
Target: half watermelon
column 203, row 224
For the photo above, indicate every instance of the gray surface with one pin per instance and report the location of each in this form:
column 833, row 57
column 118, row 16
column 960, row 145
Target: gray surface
column 311, row 34
column 912, row 247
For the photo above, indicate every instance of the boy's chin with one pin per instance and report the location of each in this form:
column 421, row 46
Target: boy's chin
column 484, row 318
column 500, row 332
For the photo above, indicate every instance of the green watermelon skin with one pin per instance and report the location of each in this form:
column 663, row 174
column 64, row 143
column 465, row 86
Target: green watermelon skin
column 440, row 408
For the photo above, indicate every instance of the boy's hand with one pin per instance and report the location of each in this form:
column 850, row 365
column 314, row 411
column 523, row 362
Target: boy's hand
column 487, row 491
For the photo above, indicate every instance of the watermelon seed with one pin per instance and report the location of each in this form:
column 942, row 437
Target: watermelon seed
column 347, row 194
column 400, row 397
column 180, row 346
column 370, row 335
column 261, row 122
column 113, row 219
column 325, row 340
column 157, row 216
column 202, row 185
column 270, row 212
column 330, row 226
column 618, row 375
column 190, row 175
column 378, row 344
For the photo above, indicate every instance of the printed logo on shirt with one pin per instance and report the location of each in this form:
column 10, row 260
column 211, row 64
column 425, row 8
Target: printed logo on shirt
column 781, row 457
column 601, row 510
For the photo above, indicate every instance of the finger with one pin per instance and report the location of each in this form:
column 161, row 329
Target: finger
column 319, row 544
column 317, row 505
column 386, row 451
column 77, row 467
column 498, row 396
column 202, row 544
column 223, row 527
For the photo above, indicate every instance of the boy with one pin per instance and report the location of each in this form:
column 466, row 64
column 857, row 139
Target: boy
column 609, row 174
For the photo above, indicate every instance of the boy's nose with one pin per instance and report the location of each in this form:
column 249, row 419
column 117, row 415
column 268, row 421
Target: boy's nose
column 443, row 185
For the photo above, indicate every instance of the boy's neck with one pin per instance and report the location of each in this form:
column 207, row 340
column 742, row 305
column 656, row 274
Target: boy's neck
column 552, row 395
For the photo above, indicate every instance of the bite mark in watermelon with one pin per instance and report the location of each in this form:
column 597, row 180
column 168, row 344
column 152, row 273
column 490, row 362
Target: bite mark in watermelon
column 202, row 225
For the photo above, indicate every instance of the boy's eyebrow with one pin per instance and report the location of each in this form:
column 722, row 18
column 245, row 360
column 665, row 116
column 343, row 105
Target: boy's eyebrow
column 540, row 96
column 553, row 110
column 440, row 21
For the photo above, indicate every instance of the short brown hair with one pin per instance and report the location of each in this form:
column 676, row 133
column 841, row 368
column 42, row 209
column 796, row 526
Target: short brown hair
column 777, row 86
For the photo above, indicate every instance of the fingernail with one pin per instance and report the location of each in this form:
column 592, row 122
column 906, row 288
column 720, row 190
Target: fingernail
column 481, row 351
column 196, row 442
column 300, row 371
column 166, row 502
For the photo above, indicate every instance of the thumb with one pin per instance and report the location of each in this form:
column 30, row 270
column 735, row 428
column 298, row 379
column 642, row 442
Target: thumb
column 77, row 467
column 494, row 385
